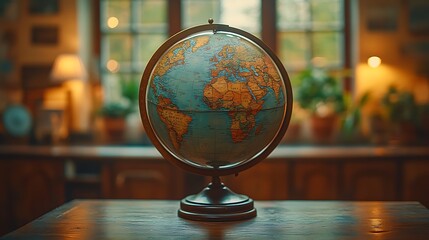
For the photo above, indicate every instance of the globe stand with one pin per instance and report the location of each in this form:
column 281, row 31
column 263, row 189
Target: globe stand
column 217, row 203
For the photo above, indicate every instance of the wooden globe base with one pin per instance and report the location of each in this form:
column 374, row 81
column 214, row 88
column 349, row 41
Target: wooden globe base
column 217, row 203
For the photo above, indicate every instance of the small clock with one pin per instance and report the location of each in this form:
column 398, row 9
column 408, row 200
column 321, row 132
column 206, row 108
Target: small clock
column 17, row 121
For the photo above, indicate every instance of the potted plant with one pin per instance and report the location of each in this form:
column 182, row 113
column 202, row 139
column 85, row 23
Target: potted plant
column 114, row 119
column 114, row 113
column 321, row 95
column 402, row 113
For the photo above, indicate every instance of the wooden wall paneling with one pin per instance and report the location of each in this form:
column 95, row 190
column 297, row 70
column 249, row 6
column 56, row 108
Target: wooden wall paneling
column 416, row 181
column 369, row 179
column 315, row 181
column 264, row 181
column 148, row 180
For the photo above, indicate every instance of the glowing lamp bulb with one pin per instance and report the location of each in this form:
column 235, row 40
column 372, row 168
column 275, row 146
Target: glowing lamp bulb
column 374, row 61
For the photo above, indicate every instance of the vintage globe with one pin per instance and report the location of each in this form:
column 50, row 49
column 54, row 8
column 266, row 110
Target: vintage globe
column 215, row 100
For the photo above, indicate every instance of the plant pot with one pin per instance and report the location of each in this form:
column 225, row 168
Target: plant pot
column 114, row 128
column 323, row 128
column 402, row 133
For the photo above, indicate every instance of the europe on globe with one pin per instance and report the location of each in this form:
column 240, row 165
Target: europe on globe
column 215, row 99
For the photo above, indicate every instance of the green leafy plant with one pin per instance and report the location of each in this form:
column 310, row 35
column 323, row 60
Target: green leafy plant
column 120, row 109
column 319, row 92
column 400, row 105
column 353, row 117
column 130, row 90
column 115, row 110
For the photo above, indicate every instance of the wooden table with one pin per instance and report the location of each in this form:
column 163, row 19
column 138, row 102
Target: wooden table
column 150, row 219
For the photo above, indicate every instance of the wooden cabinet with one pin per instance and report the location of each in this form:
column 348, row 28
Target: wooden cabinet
column 265, row 181
column 4, row 210
column 315, row 181
column 144, row 180
column 30, row 189
column 38, row 180
column 368, row 180
column 416, row 181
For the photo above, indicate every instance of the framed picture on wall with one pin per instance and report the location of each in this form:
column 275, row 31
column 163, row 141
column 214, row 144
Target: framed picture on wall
column 382, row 16
column 8, row 10
column 43, row 7
column 418, row 16
column 8, row 56
column 44, row 35
column 36, row 76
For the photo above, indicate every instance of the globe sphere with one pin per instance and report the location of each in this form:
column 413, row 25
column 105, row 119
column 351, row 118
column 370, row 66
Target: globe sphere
column 215, row 100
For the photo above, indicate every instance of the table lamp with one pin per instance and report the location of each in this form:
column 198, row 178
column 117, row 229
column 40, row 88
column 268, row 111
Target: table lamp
column 69, row 68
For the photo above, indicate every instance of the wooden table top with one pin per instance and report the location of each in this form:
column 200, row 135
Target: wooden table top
column 150, row 219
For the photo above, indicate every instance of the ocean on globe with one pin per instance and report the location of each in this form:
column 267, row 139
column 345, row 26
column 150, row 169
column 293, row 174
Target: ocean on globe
column 215, row 100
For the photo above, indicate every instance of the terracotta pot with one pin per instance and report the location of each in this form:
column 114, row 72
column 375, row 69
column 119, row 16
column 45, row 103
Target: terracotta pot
column 402, row 133
column 114, row 127
column 323, row 128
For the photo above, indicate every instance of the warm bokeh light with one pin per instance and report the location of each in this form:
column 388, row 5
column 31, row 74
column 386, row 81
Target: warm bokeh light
column 374, row 61
column 112, row 22
column 112, row 66
column 318, row 61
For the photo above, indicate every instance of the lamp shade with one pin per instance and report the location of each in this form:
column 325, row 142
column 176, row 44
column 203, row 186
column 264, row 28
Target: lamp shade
column 68, row 67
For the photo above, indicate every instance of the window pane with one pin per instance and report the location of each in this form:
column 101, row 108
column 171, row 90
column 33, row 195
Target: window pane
column 151, row 14
column 326, row 13
column 118, row 48
column 243, row 14
column 293, row 49
column 328, row 47
column 147, row 45
column 197, row 12
column 110, row 87
column 293, row 14
column 116, row 9
column 121, row 87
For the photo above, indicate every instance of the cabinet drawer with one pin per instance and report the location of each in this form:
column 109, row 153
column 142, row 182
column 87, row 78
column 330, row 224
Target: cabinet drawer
column 369, row 181
column 264, row 181
column 146, row 180
column 416, row 179
column 315, row 181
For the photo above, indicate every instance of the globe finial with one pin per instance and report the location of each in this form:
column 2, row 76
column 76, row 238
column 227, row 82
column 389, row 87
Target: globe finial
column 211, row 20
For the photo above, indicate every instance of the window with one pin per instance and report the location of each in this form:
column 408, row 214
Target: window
column 131, row 31
column 310, row 31
column 300, row 31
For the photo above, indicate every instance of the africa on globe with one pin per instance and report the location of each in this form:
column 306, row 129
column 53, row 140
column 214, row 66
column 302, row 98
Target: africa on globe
column 214, row 99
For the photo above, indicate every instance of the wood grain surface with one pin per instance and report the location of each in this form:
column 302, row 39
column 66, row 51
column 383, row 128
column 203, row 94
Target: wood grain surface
column 151, row 219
